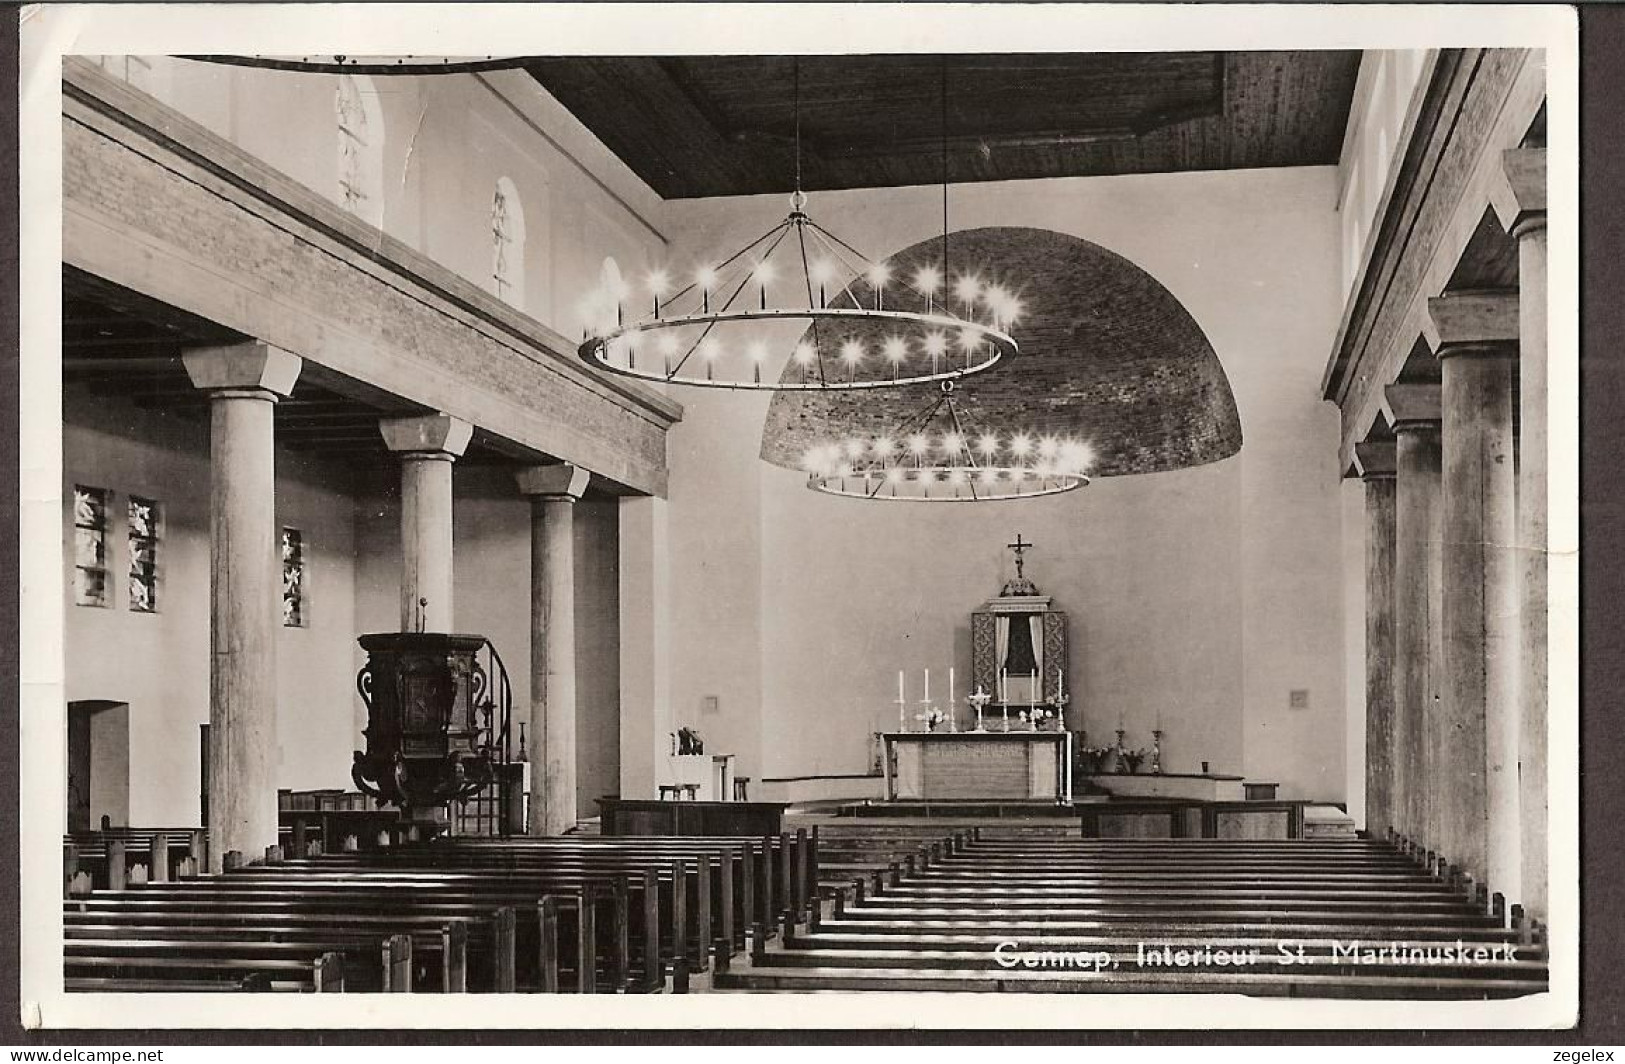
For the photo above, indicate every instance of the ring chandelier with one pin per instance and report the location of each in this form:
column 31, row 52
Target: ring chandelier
column 934, row 457
column 803, row 298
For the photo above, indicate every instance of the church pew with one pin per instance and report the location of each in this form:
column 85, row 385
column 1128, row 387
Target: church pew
column 649, row 888
column 759, row 871
column 227, row 898
column 414, row 866
column 112, row 855
column 456, row 956
column 936, row 925
column 137, row 966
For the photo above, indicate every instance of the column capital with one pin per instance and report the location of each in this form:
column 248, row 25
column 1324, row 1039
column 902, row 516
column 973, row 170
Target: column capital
column 1412, row 407
column 1519, row 197
column 1377, row 459
column 555, row 481
column 435, row 435
column 251, row 366
column 1461, row 323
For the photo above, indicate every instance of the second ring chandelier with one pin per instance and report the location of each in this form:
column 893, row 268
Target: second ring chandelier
column 802, row 298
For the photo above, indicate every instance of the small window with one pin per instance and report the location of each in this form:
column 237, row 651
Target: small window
column 143, row 555
column 293, row 578
column 90, row 546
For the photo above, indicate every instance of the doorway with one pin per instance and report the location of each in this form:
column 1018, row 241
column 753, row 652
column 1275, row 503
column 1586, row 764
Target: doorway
column 98, row 764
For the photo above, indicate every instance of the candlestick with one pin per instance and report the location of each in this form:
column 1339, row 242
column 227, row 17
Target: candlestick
column 1156, row 752
column 979, row 701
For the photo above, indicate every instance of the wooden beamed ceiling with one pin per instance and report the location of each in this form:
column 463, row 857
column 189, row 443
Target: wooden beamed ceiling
column 117, row 344
column 696, row 126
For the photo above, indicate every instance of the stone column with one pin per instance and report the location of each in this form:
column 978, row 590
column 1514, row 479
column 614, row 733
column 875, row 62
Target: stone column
column 1416, row 603
column 427, row 447
column 243, row 382
column 1475, row 337
column 1377, row 469
column 553, row 491
column 1521, row 205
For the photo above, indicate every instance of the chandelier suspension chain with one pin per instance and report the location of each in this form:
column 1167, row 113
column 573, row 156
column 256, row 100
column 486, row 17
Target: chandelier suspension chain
column 945, row 271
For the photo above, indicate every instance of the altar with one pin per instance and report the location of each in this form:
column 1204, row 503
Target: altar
column 979, row 766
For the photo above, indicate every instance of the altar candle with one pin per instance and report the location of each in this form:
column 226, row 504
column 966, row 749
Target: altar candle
column 927, row 685
column 900, row 696
column 950, row 687
column 1060, row 684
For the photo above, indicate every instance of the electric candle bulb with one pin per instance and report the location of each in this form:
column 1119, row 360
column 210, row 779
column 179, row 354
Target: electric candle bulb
column 968, row 338
column 852, row 352
column 710, row 350
column 1049, row 447
column 1021, row 445
column 928, row 279
column 953, row 443
column 967, row 288
column 936, row 344
column 894, row 475
column 879, row 274
column 763, row 272
column 918, row 444
column 885, row 447
column 757, row 351
column 668, row 344
column 706, row 278
column 854, row 448
column 804, row 354
column 659, row 283
column 988, row 445
column 895, row 349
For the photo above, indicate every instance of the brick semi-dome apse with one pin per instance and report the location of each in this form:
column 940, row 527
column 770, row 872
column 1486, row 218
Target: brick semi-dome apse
column 1108, row 355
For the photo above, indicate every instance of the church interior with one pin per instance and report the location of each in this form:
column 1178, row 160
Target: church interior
column 1102, row 519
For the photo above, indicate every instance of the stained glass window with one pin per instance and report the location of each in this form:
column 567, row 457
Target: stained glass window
column 143, row 555
column 293, row 578
column 507, row 243
column 361, row 148
column 90, row 546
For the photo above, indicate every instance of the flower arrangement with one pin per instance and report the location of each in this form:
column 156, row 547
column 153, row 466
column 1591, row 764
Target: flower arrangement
column 1092, row 759
column 1130, row 761
column 931, row 718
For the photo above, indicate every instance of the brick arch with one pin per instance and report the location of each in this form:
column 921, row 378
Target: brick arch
column 1107, row 354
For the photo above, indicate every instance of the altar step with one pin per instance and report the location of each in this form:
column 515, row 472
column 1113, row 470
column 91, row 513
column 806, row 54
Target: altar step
column 979, row 809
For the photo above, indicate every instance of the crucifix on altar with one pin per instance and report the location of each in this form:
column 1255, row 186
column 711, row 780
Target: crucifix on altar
column 1019, row 644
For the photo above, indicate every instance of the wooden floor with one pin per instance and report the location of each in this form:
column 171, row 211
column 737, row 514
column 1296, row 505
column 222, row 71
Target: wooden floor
column 1035, row 908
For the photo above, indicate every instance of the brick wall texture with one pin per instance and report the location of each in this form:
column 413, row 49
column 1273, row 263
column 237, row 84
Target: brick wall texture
column 1108, row 356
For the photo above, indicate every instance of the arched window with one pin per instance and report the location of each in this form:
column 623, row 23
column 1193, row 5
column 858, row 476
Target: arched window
column 507, row 243
column 361, row 148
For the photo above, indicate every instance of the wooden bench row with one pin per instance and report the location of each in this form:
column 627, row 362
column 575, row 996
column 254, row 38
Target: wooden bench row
column 610, row 914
